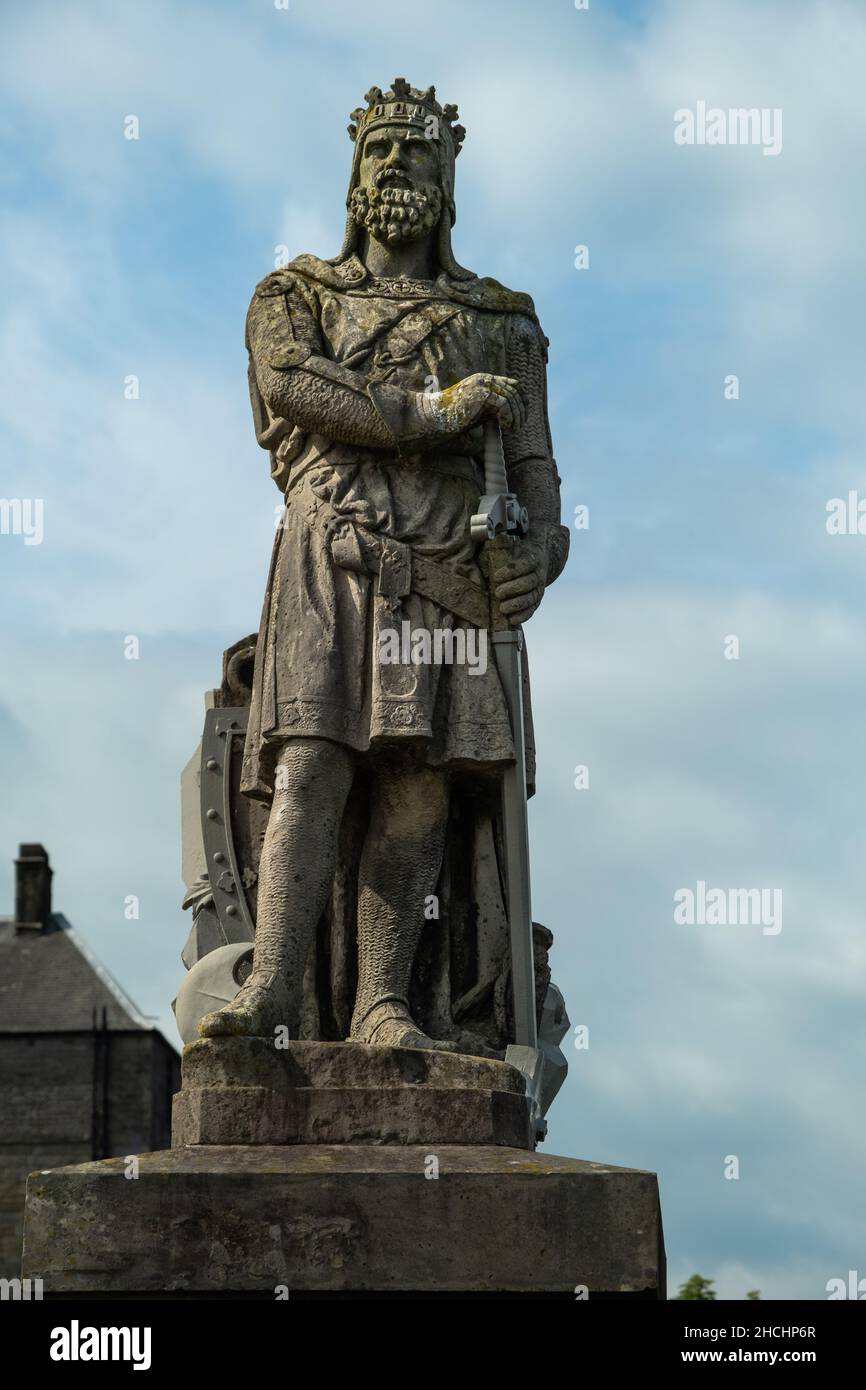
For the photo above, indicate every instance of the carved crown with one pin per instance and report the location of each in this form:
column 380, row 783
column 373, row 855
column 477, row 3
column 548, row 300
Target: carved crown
column 405, row 105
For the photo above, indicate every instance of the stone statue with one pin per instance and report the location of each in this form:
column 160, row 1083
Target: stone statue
column 379, row 914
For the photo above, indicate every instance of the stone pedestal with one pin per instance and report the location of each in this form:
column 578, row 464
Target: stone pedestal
column 336, row 1169
column 247, row 1091
column 345, row 1220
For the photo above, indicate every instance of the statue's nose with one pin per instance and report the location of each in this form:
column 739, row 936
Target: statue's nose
column 396, row 159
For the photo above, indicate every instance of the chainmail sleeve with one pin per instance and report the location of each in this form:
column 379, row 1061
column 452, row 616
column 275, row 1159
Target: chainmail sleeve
column 294, row 384
column 532, row 471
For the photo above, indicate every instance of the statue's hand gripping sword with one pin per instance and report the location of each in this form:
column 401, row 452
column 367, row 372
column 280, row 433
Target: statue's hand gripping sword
column 500, row 521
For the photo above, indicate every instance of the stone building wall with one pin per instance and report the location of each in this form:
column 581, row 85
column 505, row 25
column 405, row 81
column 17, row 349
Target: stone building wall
column 69, row 1097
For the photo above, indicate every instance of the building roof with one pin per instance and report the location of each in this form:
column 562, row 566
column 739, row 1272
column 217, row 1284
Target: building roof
column 50, row 982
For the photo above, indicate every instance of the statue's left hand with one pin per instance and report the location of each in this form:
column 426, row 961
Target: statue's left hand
column 520, row 583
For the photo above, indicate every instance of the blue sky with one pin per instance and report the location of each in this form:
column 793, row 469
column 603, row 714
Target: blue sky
column 707, row 518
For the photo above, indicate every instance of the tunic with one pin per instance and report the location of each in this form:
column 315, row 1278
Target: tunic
column 331, row 595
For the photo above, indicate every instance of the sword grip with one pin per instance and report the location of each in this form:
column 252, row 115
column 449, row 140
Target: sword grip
column 499, row 552
column 495, row 478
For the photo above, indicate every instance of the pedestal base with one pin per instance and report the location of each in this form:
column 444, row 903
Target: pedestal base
column 344, row 1220
column 247, row 1091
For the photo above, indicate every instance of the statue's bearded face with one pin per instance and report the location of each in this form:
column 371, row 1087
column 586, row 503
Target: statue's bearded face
column 399, row 192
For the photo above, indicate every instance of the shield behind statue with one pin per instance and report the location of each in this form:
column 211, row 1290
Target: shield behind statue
column 222, row 839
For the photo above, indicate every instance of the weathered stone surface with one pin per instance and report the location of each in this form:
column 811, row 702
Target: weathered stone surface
column 257, row 1062
column 345, row 1219
column 356, row 1115
column 246, row 1091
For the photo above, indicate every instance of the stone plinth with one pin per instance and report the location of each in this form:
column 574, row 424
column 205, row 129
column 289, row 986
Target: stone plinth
column 247, row 1091
column 345, row 1220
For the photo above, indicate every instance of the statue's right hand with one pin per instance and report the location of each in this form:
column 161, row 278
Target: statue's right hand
column 471, row 400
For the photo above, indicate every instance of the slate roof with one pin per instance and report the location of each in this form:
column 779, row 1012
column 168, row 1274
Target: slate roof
column 50, row 982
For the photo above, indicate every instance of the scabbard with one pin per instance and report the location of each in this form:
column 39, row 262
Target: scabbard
column 508, row 654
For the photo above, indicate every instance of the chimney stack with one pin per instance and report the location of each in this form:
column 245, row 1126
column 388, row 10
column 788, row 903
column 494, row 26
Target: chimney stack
column 32, row 887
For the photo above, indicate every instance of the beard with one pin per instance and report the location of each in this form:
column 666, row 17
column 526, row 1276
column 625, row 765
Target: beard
column 396, row 213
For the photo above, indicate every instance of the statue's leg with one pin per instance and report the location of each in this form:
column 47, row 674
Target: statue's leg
column 399, row 870
column 296, row 872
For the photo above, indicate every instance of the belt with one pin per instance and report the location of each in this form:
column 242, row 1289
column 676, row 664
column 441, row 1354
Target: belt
column 401, row 570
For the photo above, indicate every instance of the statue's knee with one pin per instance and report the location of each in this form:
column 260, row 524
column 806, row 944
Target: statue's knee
column 422, row 814
column 312, row 768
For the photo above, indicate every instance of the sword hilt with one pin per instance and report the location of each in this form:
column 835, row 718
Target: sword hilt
column 499, row 512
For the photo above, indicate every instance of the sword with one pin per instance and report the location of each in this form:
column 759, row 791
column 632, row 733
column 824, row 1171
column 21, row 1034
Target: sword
column 499, row 522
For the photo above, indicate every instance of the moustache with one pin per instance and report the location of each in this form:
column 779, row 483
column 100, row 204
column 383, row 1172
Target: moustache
column 388, row 178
